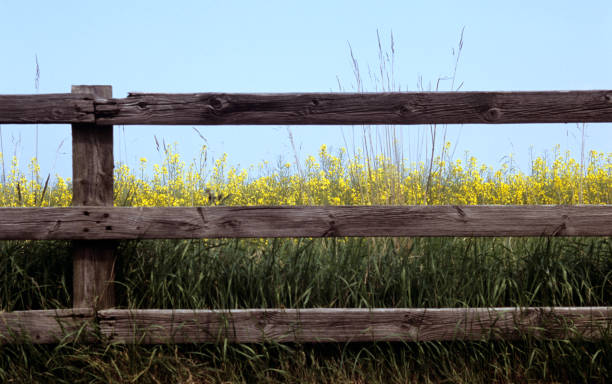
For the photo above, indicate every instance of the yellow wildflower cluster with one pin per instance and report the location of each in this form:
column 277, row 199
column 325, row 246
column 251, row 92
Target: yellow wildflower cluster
column 333, row 180
column 20, row 190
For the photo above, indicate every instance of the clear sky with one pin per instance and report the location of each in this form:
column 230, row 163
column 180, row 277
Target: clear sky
column 293, row 46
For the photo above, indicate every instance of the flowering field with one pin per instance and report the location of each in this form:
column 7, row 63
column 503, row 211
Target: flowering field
column 333, row 179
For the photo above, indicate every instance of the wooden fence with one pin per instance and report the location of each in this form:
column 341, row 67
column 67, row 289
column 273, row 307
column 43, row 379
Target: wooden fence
column 93, row 223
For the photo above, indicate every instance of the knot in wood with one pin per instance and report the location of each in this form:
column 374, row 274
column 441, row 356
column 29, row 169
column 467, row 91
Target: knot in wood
column 560, row 230
column 332, row 230
column 413, row 319
column 409, row 108
column 217, row 103
column 403, row 110
column 57, row 113
column 461, row 213
column 231, row 223
column 492, row 114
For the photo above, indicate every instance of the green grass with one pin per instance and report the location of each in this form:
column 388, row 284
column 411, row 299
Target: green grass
column 467, row 362
column 344, row 272
column 354, row 272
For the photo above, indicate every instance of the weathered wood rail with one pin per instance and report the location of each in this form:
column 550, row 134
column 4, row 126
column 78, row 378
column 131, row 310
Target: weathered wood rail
column 117, row 223
column 310, row 108
column 153, row 326
column 94, row 224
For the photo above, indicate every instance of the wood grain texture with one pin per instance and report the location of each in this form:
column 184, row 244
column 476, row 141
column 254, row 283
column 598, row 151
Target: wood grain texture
column 151, row 326
column 104, row 223
column 92, row 157
column 92, row 170
column 312, row 108
column 358, row 108
column 93, row 274
column 50, row 108
column 45, row 326
column 352, row 325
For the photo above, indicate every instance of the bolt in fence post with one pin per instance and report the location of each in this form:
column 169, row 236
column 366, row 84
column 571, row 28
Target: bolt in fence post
column 92, row 185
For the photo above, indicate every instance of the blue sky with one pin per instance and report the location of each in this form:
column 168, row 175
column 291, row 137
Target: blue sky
column 287, row 46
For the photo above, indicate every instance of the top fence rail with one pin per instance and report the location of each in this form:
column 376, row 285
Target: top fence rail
column 310, row 108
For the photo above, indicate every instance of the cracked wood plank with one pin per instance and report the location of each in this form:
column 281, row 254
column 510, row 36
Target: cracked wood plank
column 357, row 108
column 107, row 223
column 61, row 108
column 352, row 325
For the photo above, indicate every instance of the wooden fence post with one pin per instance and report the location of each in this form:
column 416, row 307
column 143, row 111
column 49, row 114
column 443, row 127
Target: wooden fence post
column 92, row 185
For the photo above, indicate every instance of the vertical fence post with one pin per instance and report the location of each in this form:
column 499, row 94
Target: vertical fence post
column 92, row 185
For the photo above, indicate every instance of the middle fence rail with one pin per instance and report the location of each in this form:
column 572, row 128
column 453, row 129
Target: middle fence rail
column 123, row 223
column 95, row 224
